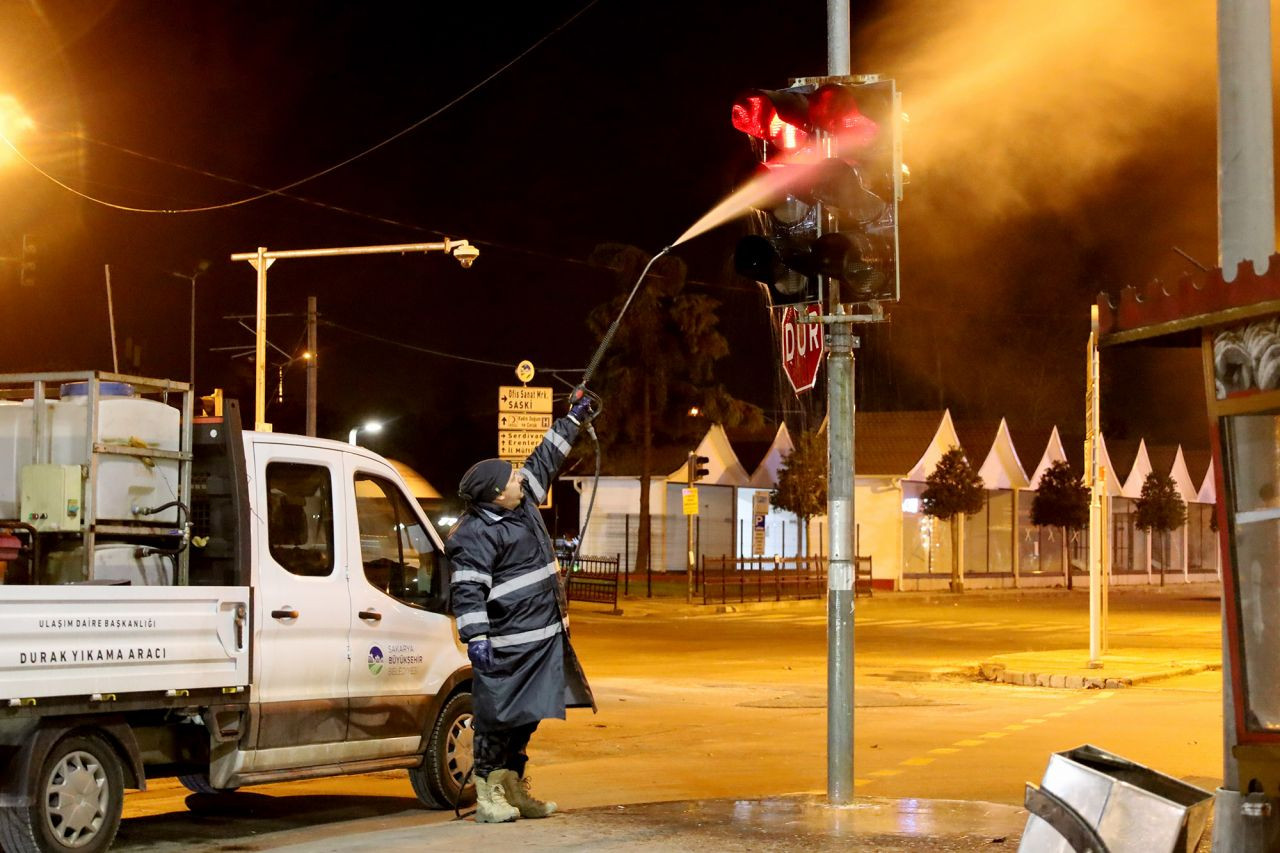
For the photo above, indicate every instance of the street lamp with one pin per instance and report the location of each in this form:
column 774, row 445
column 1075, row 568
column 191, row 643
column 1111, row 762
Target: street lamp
column 367, row 426
column 201, row 269
column 463, row 252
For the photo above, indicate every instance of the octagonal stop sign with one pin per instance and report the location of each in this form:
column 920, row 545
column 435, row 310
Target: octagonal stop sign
column 801, row 346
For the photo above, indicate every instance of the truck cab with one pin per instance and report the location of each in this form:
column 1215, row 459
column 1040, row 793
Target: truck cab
column 294, row 625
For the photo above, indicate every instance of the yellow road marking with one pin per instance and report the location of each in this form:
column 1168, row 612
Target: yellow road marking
column 943, row 750
column 1016, row 727
column 1033, row 720
column 1056, row 714
column 968, row 743
column 858, row 783
column 889, row 772
column 917, row 762
column 992, row 735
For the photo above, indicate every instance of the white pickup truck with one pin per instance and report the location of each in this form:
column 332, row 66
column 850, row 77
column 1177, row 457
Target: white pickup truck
column 292, row 625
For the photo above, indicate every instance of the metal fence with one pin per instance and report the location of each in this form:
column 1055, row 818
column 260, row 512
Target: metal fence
column 592, row 579
column 724, row 579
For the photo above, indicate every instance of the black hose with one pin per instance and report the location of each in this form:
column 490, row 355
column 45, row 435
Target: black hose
column 462, row 789
column 595, row 483
column 582, row 386
column 613, row 328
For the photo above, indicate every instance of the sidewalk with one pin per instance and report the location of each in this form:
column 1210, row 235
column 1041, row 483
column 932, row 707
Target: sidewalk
column 792, row 823
column 1069, row 668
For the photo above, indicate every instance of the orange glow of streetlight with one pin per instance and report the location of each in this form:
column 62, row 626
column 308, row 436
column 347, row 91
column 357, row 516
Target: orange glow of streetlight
column 14, row 122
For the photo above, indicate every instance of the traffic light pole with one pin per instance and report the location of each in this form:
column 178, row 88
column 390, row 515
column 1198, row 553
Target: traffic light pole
column 840, row 482
column 840, row 639
column 689, row 559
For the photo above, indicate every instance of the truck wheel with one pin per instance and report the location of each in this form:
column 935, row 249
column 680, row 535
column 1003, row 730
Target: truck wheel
column 79, row 796
column 198, row 783
column 447, row 762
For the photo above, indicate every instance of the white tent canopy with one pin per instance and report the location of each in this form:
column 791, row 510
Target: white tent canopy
column 723, row 467
column 766, row 474
column 1002, row 469
column 944, row 439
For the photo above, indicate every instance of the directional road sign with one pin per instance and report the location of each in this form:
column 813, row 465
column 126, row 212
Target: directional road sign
column 512, row 442
column 521, row 420
column 524, row 398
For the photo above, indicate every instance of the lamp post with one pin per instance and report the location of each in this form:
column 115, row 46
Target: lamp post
column 462, row 251
column 367, row 426
column 201, row 269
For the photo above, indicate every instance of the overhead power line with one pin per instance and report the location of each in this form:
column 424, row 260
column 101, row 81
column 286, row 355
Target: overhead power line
column 439, row 353
column 279, row 190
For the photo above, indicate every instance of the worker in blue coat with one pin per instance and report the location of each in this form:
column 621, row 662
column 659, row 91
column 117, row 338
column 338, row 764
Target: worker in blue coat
column 511, row 612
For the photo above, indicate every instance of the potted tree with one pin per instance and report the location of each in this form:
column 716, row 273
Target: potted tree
column 1160, row 508
column 1061, row 501
column 952, row 491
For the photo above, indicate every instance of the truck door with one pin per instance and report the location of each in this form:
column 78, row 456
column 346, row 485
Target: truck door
column 402, row 643
column 302, row 605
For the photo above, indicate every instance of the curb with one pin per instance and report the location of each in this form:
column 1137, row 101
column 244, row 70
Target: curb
column 998, row 672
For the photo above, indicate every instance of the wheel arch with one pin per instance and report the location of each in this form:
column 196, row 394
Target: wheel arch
column 456, row 683
column 15, row 782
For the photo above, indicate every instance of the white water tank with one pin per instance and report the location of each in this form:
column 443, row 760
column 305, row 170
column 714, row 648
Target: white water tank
column 112, row 561
column 123, row 482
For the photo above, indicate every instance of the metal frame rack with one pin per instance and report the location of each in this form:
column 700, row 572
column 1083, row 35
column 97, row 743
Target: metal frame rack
column 34, row 386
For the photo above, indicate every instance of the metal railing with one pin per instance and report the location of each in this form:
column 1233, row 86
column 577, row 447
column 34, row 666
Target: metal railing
column 740, row 579
column 592, row 579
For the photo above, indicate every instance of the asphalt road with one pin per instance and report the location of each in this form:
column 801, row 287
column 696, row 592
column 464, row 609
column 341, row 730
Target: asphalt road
column 733, row 705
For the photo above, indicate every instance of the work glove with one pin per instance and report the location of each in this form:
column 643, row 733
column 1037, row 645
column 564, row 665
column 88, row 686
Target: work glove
column 481, row 654
column 583, row 407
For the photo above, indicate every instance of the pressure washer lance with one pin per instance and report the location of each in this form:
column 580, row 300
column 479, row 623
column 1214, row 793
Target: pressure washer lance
column 581, row 390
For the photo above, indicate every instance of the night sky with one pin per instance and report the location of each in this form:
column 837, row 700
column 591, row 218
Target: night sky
column 1054, row 153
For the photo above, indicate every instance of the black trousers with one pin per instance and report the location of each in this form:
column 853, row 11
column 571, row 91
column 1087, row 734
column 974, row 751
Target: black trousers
column 503, row 749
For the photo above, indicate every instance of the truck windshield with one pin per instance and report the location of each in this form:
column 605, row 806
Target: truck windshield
column 398, row 556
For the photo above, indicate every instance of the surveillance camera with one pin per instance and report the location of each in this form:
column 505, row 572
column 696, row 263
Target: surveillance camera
column 466, row 255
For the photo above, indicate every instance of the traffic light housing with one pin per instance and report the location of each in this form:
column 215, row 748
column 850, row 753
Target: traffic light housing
column 697, row 468
column 27, row 263
column 825, row 202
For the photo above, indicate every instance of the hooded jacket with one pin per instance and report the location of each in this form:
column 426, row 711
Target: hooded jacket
column 506, row 585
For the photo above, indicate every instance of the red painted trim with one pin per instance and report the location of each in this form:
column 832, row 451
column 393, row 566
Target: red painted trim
column 1193, row 295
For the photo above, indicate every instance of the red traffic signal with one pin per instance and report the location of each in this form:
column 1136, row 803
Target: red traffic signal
column 780, row 118
column 788, row 118
column 827, row 206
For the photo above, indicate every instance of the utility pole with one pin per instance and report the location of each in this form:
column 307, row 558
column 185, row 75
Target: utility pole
column 1096, row 477
column 1246, row 232
column 312, row 357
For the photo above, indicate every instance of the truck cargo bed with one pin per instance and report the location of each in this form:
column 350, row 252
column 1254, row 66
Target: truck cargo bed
column 79, row 640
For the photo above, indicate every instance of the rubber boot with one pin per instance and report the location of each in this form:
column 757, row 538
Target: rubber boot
column 491, row 800
column 517, row 791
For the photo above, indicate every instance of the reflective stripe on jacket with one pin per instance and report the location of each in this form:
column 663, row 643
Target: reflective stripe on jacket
column 506, row 585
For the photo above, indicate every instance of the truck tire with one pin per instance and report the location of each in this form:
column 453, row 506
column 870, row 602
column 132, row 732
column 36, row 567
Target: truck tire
column 198, row 783
column 79, row 796
column 447, row 761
